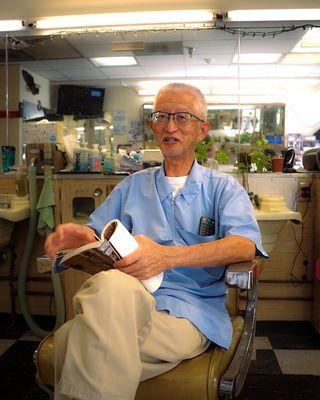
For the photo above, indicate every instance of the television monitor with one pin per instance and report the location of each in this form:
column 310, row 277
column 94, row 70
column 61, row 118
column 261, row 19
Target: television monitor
column 80, row 101
column 30, row 111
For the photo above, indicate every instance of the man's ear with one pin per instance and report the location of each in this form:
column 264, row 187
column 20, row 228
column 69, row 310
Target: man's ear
column 205, row 127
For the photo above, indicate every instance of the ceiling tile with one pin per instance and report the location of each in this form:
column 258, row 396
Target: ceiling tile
column 101, row 50
column 153, row 36
column 52, row 75
column 70, row 64
column 126, row 72
column 75, row 74
column 210, row 71
column 267, row 46
column 36, row 65
column 206, row 34
column 216, row 59
column 156, row 72
column 212, row 47
column 52, row 49
column 158, row 60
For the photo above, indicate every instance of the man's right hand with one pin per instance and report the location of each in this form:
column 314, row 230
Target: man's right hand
column 68, row 236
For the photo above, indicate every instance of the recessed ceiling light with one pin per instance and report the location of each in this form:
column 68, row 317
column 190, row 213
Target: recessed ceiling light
column 301, row 58
column 257, row 58
column 114, row 61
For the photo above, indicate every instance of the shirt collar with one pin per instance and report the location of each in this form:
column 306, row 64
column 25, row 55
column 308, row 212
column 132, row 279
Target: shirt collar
column 191, row 188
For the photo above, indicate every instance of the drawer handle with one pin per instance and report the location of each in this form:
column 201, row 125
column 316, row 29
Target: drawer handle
column 97, row 192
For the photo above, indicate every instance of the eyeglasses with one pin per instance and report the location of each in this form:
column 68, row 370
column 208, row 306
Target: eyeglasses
column 179, row 118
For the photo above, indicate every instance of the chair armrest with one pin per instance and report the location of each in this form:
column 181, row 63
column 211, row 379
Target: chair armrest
column 243, row 274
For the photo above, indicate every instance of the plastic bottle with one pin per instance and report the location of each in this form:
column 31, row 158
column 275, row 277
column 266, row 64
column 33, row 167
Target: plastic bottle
column 76, row 158
column 108, row 162
column 84, row 158
column 95, row 159
column 21, row 182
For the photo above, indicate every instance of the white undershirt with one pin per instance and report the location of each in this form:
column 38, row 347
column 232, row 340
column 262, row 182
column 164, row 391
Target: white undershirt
column 177, row 183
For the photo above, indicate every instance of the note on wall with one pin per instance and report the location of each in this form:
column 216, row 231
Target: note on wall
column 118, row 122
column 135, row 131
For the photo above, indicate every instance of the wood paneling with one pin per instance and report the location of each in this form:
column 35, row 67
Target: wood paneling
column 316, row 285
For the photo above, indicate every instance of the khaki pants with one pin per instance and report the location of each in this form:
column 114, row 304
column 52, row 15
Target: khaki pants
column 117, row 339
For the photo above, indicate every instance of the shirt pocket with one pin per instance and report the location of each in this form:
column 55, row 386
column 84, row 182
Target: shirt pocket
column 190, row 238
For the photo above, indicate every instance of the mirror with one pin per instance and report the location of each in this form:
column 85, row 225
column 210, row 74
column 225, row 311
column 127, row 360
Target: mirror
column 257, row 121
column 273, row 101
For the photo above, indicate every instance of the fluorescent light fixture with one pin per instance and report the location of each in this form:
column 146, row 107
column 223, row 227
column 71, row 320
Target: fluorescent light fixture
column 130, row 18
column 11, row 25
column 148, row 106
column 80, row 129
column 311, row 14
column 99, row 128
column 257, row 58
column 114, row 61
column 301, row 58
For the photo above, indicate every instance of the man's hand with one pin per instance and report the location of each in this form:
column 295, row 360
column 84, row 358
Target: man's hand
column 148, row 260
column 68, row 236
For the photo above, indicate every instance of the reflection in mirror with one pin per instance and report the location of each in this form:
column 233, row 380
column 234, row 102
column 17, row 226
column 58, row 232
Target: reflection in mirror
column 261, row 125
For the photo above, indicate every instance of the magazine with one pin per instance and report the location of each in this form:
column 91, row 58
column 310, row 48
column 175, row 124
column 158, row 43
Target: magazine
column 115, row 243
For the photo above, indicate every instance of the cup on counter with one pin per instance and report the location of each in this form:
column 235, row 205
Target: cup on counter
column 277, row 164
column 8, row 157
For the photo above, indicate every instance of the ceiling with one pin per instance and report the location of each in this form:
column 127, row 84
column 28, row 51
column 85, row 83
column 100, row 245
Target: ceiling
column 197, row 54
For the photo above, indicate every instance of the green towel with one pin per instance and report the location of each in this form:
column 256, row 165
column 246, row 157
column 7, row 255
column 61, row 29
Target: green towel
column 44, row 207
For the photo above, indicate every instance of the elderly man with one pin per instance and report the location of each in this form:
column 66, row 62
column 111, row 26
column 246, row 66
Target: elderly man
column 190, row 223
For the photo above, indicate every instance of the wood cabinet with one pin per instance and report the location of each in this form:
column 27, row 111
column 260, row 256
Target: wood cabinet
column 80, row 197
column 316, row 282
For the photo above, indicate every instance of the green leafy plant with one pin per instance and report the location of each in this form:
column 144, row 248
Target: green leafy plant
column 201, row 149
column 222, row 156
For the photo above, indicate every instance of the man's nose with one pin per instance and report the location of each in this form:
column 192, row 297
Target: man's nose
column 170, row 125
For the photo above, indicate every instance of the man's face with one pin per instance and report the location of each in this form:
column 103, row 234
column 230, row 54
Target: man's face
column 177, row 140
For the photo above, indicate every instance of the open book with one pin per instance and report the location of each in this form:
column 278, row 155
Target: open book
column 115, row 243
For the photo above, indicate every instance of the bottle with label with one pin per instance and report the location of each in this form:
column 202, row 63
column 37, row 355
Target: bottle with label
column 84, row 158
column 95, row 159
column 108, row 162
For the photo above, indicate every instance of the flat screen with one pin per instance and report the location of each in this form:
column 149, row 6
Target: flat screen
column 80, row 101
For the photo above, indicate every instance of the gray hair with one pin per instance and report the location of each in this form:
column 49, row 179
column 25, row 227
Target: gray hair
column 184, row 87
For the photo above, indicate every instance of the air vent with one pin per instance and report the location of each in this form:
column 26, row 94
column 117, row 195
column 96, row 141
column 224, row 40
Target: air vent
column 161, row 48
column 127, row 46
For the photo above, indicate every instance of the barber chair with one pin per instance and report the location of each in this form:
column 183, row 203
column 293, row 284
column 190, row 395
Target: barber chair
column 215, row 374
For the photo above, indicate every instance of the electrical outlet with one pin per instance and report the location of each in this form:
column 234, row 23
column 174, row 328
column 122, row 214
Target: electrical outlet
column 304, row 191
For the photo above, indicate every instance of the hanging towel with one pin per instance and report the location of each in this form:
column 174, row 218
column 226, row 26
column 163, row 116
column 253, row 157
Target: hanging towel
column 45, row 207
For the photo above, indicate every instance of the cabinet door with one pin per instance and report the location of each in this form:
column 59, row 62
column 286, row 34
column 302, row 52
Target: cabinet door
column 79, row 198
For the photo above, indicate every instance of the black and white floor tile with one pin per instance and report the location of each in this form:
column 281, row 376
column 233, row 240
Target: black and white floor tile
column 285, row 363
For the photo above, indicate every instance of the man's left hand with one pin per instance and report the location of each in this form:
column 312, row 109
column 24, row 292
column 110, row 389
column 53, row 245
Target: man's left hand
column 148, row 260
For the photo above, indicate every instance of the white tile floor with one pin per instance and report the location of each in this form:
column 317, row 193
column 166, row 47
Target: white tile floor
column 5, row 344
column 299, row 361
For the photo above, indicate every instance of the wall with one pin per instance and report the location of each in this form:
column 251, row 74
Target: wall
column 44, row 90
column 126, row 100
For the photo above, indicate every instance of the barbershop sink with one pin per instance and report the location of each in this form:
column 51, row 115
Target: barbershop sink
column 12, row 209
column 272, row 216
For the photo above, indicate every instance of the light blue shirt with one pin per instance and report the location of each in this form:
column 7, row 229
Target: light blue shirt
column 144, row 203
